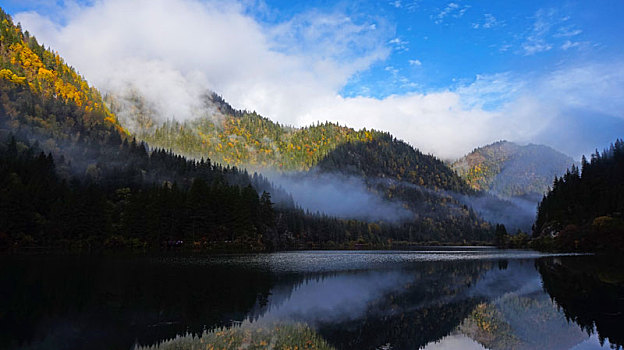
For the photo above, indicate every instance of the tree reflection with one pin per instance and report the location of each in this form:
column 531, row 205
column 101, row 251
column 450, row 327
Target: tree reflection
column 590, row 292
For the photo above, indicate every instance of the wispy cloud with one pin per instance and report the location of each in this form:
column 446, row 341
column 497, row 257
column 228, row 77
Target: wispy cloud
column 537, row 40
column 570, row 44
column 489, row 21
column 549, row 28
column 396, row 3
column 391, row 69
column 399, row 45
column 415, row 63
column 505, row 47
column 452, row 9
column 567, row 31
column 410, row 6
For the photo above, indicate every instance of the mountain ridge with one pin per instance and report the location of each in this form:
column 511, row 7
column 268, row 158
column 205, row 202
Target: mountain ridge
column 510, row 170
column 144, row 196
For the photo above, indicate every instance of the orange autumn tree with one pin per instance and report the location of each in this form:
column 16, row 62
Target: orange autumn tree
column 24, row 63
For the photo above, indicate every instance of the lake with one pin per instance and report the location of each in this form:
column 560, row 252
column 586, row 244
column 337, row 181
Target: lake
column 438, row 298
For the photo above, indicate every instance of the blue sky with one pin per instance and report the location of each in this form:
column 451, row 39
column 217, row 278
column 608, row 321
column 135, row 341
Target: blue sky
column 439, row 44
column 446, row 76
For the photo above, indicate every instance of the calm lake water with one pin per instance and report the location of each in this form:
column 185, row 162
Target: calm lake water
column 447, row 298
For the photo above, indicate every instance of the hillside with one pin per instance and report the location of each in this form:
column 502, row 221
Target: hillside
column 583, row 211
column 366, row 175
column 39, row 92
column 383, row 156
column 73, row 177
column 511, row 170
column 246, row 139
column 235, row 137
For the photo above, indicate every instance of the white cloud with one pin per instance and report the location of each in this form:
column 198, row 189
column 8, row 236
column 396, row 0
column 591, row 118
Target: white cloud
column 174, row 50
column 489, row 21
column 415, row 63
column 569, row 44
column 399, row 44
column 452, row 9
column 292, row 72
column 537, row 40
column 548, row 28
column 567, row 31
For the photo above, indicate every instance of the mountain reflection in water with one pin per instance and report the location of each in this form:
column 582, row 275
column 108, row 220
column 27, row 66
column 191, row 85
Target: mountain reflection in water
column 443, row 299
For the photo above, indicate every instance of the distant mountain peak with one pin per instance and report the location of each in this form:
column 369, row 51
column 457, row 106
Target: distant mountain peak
column 509, row 169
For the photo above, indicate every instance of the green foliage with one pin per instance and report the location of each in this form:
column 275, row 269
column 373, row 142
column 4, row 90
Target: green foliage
column 135, row 199
column 243, row 138
column 390, row 167
column 101, row 188
column 251, row 140
column 386, row 157
column 584, row 209
column 122, row 209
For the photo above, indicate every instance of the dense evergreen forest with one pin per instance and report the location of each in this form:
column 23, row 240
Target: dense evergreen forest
column 243, row 138
column 386, row 157
column 583, row 210
column 41, row 208
column 390, row 168
column 235, row 137
column 72, row 176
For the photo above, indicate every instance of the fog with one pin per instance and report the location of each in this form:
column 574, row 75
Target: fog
column 515, row 213
column 353, row 197
column 340, row 195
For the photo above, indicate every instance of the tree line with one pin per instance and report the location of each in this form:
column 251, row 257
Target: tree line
column 583, row 210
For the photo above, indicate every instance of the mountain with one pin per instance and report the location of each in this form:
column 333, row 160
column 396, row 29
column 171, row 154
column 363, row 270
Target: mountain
column 511, row 170
column 326, row 167
column 234, row 137
column 519, row 175
column 41, row 93
column 73, row 177
column 246, row 139
column 382, row 156
column 583, row 210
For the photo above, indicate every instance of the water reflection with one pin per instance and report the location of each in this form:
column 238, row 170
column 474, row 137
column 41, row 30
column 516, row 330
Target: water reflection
column 446, row 299
column 590, row 292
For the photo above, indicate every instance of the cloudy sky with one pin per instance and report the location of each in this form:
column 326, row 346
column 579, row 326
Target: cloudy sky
column 445, row 76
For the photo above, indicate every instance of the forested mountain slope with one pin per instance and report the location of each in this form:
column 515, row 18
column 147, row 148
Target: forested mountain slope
column 421, row 192
column 508, row 169
column 583, row 211
column 383, row 156
column 71, row 175
column 235, row 137
column 242, row 138
column 40, row 92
